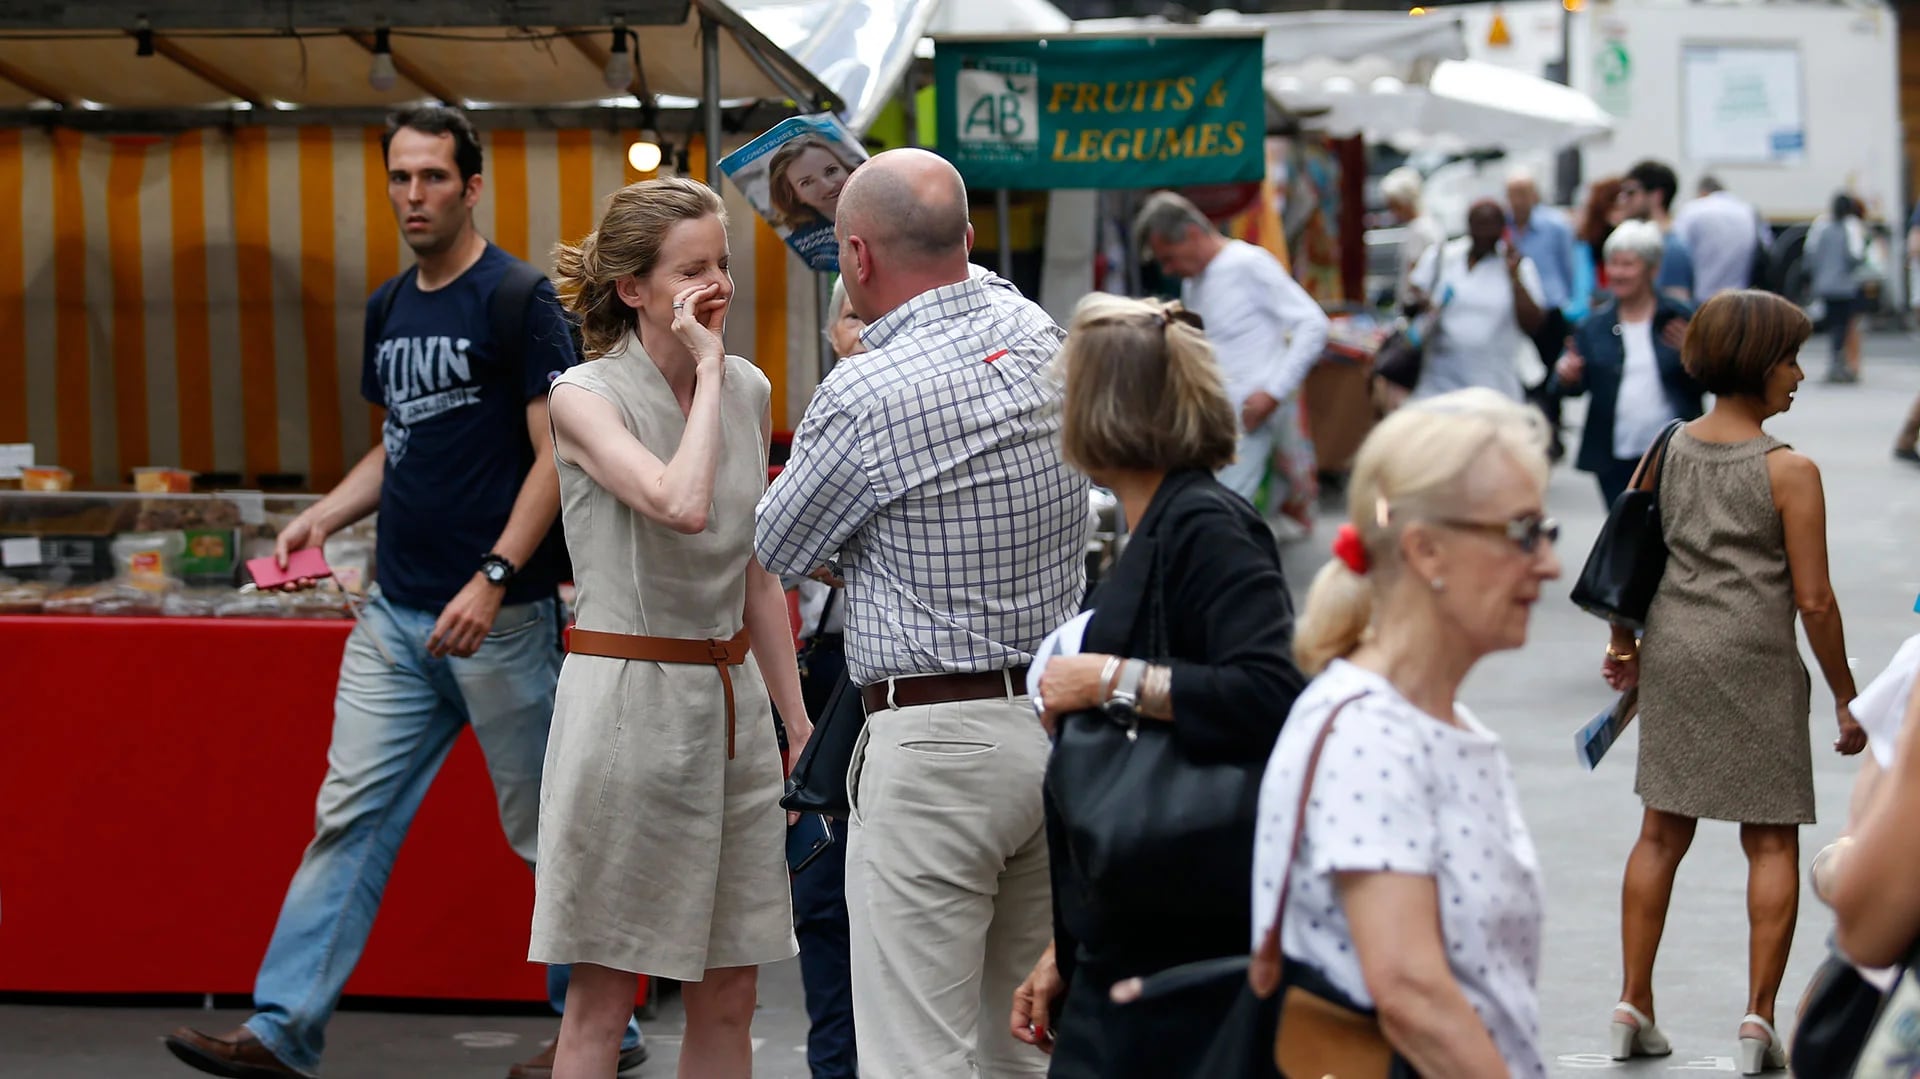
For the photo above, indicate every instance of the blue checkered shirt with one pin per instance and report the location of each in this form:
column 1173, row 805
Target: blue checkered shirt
column 929, row 468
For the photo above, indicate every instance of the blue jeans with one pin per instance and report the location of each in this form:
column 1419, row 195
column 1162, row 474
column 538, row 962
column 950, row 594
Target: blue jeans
column 393, row 724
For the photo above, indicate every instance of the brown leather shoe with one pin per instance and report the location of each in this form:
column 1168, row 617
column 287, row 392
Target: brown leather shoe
column 236, row 1054
column 541, row 1066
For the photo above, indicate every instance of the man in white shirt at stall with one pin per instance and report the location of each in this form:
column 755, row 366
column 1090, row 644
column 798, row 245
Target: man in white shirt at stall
column 1267, row 333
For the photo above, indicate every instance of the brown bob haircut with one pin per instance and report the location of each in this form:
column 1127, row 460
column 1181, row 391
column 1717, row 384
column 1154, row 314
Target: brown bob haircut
column 1740, row 335
column 1143, row 389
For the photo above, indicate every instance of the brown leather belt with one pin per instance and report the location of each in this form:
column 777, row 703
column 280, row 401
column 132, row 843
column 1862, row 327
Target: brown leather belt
column 712, row 652
column 919, row 690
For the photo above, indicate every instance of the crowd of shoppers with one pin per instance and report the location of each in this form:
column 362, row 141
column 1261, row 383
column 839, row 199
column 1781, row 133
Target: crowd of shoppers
column 984, row 914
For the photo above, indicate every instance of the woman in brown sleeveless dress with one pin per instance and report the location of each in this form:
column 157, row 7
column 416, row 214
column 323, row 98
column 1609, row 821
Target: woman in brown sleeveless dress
column 662, row 842
column 1724, row 697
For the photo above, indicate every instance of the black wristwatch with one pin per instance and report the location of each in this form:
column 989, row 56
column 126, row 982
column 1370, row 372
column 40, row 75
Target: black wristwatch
column 496, row 569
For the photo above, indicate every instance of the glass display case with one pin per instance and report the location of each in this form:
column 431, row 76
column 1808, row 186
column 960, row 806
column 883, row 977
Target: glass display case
column 88, row 553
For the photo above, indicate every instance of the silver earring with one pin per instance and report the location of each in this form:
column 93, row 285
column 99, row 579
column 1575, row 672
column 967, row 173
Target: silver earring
column 1438, row 585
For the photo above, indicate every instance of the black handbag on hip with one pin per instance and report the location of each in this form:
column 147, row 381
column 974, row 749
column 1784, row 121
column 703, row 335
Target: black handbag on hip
column 818, row 783
column 1629, row 556
column 1403, row 355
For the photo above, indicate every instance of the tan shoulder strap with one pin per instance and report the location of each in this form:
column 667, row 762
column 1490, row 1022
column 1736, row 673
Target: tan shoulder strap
column 1264, row 972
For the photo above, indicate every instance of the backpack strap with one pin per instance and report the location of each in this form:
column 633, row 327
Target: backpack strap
column 507, row 311
column 393, row 294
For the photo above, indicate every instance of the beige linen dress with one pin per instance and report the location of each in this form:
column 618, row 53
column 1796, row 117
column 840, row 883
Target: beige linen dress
column 657, row 853
column 1724, row 696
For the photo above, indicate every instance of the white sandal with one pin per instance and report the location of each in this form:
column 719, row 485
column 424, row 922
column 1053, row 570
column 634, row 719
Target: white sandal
column 1639, row 1038
column 1761, row 1054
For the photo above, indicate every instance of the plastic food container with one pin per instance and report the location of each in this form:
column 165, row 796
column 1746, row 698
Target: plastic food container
column 45, row 478
column 159, row 480
column 149, row 560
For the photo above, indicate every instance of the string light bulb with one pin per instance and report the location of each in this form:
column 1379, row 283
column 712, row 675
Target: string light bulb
column 645, row 154
column 382, row 76
column 619, row 71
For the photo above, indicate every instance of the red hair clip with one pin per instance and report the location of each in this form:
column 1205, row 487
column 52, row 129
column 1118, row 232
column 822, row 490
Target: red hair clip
column 1348, row 548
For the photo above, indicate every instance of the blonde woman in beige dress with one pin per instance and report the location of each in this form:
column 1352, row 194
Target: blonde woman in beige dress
column 662, row 843
column 1724, row 697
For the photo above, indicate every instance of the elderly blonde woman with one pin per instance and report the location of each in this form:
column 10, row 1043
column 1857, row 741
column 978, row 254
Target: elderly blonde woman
column 1188, row 638
column 1627, row 354
column 1415, row 888
column 1419, row 231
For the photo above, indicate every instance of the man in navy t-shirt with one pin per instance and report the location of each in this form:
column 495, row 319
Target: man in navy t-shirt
column 462, row 629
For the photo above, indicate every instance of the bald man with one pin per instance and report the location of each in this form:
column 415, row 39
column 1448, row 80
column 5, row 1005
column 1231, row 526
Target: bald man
column 927, row 473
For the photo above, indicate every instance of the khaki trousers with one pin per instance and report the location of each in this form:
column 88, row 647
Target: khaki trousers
column 948, row 896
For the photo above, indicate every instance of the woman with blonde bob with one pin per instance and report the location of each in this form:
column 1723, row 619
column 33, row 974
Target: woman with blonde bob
column 661, row 836
column 1415, row 889
column 1188, row 639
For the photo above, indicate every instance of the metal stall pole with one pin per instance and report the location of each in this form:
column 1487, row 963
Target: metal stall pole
column 1003, row 229
column 824, row 319
column 710, row 83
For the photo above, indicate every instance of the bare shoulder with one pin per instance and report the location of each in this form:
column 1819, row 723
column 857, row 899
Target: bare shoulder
column 1794, row 477
column 1791, row 467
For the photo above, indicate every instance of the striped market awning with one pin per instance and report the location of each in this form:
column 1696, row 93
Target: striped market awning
column 197, row 299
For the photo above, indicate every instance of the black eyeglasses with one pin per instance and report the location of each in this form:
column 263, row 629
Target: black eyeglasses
column 1524, row 532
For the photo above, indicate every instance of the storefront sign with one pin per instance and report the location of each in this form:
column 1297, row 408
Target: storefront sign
column 1101, row 112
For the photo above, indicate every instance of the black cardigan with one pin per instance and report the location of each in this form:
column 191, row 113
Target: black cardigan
column 1229, row 623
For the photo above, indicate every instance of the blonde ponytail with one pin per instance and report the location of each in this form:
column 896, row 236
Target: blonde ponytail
column 1339, row 609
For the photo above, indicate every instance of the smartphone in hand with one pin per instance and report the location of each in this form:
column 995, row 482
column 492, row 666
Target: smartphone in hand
column 306, row 563
column 807, row 840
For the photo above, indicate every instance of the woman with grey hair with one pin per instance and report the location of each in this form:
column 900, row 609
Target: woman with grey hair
column 1627, row 354
column 1419, row 231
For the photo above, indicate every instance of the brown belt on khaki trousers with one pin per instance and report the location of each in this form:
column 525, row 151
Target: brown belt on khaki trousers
column 712, row 652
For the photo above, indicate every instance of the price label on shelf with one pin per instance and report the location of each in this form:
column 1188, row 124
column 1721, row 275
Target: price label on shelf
column 24, row 551
column 13, row 457
column 251, row 504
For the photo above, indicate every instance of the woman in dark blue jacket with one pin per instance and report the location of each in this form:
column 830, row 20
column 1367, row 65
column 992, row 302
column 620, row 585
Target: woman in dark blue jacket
column 1627, row 354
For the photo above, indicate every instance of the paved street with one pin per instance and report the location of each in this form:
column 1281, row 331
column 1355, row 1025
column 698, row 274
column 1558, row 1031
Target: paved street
column 1583, row 824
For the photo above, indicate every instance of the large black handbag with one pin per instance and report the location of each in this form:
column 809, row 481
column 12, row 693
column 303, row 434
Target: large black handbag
column 1629, row 556
column 1137, row 812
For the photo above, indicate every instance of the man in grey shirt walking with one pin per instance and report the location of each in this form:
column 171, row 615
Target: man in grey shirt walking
column 928, row 470
column 1724, row 233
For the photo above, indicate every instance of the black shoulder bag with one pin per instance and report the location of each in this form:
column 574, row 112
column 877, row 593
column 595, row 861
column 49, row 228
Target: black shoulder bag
column 1403, row 355
column 1629, row 556
column 819, row 780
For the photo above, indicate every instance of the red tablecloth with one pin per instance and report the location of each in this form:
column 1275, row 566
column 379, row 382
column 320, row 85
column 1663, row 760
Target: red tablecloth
column 157, row 779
